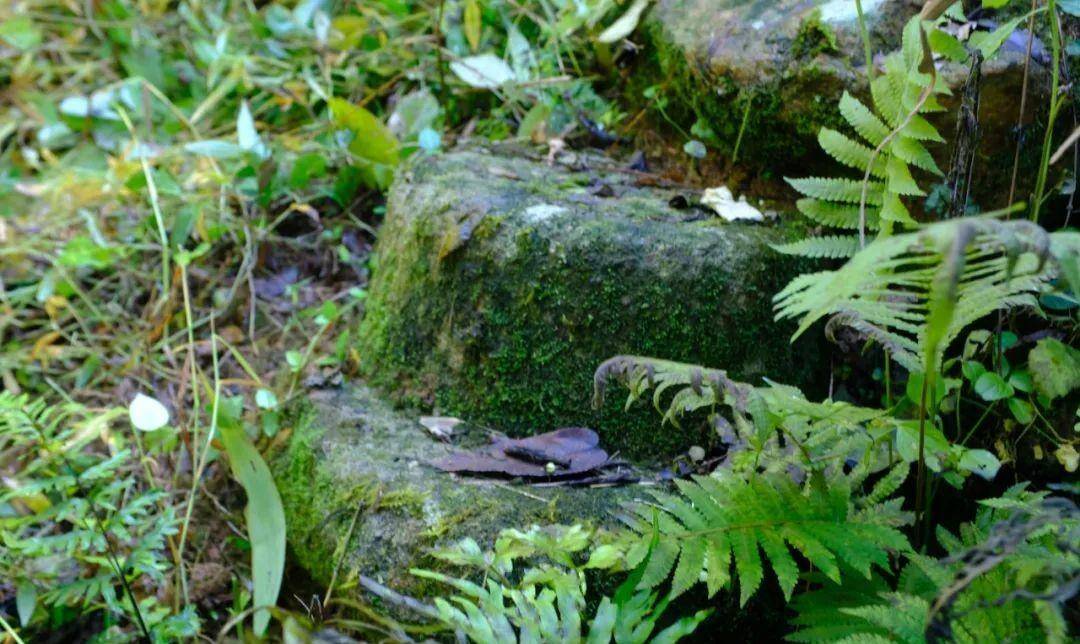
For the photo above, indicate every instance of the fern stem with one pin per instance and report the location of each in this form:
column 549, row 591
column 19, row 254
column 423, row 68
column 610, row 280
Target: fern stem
column 920, row 478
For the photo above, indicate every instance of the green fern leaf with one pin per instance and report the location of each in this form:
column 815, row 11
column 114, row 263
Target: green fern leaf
column 887, row 290
column 900, row 180
column 920, row 129
column 852, row 154
column 843, row 190
column 912, row 151
column 903, row 618
column 888, row 484
column 832, row 247
column 894, row 210
column 740, row 520
column 863, row 120
column 834, row 215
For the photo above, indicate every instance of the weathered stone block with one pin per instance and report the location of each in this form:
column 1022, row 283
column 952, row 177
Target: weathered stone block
column 351, row 456
column 502, row 282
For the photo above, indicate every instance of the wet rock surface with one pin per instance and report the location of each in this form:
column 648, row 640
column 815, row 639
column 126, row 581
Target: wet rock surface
column 501, row 283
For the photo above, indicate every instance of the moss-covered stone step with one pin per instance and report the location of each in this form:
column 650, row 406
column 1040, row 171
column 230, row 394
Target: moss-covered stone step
column 501, row 282
column 352, row 457
column 783, row 64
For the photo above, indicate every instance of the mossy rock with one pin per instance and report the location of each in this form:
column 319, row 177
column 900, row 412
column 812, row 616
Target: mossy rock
column 501, row 282
column 783, row 65
column 351, row 455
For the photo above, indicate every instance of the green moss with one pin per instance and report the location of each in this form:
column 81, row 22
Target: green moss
column 814, row 37
column 508, row 327
column 786, row 110
column 351, row 455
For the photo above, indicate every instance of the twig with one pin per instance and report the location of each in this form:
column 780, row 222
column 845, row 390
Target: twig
column 394, row 597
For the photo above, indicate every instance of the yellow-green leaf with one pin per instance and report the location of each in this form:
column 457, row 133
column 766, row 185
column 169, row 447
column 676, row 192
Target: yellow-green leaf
column 472, row 23
column 372, row 140
column 265, row 520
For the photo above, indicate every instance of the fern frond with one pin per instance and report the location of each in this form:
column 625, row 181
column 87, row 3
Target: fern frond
column 723, row 518
column 863, row 120
column 1007, row 578
column 850, row 153
column 842, row 190
column 834, row 215
column 695, row 387
column 915, row 292
column 915, row 153
column 831, row 247
column 895, row 132
column 900, row 181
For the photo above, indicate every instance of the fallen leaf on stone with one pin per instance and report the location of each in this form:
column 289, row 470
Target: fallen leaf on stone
column 564, row 452
column 723, row 203
column 441, row 427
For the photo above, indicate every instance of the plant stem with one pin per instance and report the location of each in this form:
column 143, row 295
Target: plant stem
column 10, row 631
column 920, row 479
column 1023, row 102
column 200, row 460
column 864, row 33
column 1055, row 105
column 742, row 129
column 194, row 423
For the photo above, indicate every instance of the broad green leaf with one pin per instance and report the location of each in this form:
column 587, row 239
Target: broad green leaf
column 972, row 369
column 1021, row 381
column 990, row 387
column 265, row 399
column 1021, row 410
column 372, row 140
column 265, row 520
column 626, row 23
column 990, row 43
column 20, row 32
column 604, row 556
column 472, row 24
column 695, row 149
column 215, row 148
column 246, row 134
column 1054, row 367
column 484, row 71
column 521, row 56
column 1071, row 7
column 83, row 252
column 25, row 601
column 913, row 390
column 980, row 462
column 947, row 45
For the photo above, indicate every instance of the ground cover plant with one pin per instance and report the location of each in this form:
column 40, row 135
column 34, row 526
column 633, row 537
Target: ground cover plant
column 189, row 195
